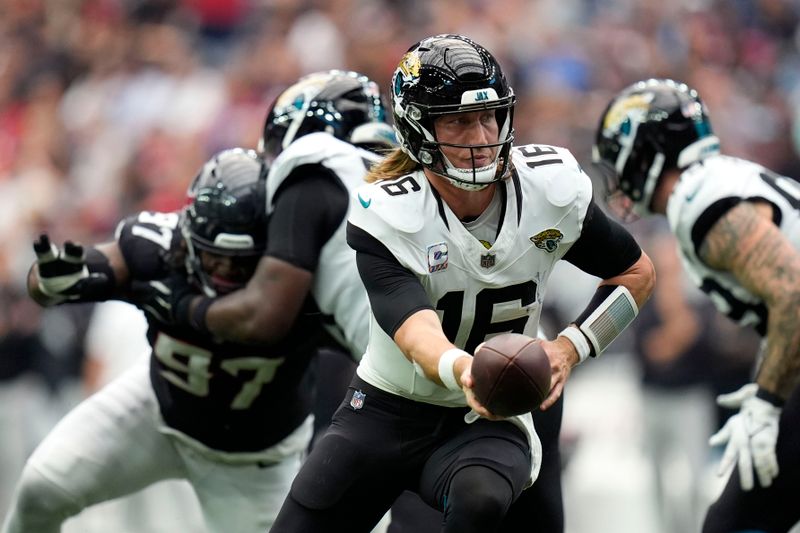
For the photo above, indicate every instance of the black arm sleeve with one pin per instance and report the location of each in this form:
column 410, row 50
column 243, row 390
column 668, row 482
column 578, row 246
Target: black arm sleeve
column 604, row 249
column 394, row 292
column 309, row 207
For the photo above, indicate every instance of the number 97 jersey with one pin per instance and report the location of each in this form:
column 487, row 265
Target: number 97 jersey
column 230, row 397
column 705, row 192
column 478, row 288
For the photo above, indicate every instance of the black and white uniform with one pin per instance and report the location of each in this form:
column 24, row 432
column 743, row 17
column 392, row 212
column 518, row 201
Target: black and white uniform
column 308, row 194
column 396, row 429
column 232, row 419
column 705, row 192
column 308, row 190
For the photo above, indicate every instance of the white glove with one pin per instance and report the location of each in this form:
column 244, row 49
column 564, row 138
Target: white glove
column 751, row 435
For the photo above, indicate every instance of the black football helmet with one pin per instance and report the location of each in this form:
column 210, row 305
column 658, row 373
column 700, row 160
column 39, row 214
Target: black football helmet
column 443, row 75
column 226, row 215
column 650, row 127
column 345, row 104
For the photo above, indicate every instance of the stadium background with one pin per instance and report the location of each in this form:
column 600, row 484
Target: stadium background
column 110, row 106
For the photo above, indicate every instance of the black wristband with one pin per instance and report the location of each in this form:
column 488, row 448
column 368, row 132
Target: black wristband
column 770, row 397
column 197, row 319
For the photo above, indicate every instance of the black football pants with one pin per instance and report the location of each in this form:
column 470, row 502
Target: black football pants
column 539, row 509
column 376, row 449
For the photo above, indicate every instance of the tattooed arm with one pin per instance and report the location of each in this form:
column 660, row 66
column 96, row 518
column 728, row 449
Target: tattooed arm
column 747, row 244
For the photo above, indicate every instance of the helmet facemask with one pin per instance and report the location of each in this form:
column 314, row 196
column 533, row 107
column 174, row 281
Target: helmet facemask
column 239, row 248
column 225, row 218
column 430, row 155
column 630, row 182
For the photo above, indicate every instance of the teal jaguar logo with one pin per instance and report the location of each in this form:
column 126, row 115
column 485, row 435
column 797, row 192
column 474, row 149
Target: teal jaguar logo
column 547, row 240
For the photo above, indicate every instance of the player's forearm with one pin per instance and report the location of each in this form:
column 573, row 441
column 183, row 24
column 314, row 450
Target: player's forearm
column 265, row 310
column 617, row 301
column 245, row 318
column 780, row 369
column 747, row 243
column 423, row 342
column 639, row 279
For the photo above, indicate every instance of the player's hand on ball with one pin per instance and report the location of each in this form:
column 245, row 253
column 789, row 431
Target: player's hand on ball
column 562, row 357
column 510, row 374
column 467, row 383
column 62, row 272
column 751, row 435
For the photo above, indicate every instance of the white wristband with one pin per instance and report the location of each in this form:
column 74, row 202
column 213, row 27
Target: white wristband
column 446, row 362
column 578, row 340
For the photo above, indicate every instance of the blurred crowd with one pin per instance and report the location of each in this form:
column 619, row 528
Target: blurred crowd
column 108, row 107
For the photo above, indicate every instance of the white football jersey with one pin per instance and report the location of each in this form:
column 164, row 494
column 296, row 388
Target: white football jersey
column 478, row 292
column 337, row 287
column 719, row 182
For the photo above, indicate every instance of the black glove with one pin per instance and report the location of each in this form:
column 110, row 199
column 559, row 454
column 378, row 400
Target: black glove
column 63, row 274
column 167, row 300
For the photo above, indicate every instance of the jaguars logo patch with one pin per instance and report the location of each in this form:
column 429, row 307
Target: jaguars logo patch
column 292, row 99
column 407, row 72
column 548, row 239
column 629, row 109
column 409, row 65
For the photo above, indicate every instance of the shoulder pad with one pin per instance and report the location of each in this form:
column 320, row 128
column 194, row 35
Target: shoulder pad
column 146, row 240
column 697, row 188
column 315, row 148
column 556, row 172
column 388, row 206
column 148, row 225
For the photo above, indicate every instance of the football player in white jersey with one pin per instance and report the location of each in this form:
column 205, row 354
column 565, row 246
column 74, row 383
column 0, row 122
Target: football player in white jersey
column 455, row 241
column 738, row 230
column 317, row 139
column 320, row 136
column 202, row 408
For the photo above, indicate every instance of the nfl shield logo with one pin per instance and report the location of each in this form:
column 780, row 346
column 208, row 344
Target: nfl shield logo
column 357, row 401
column 487, row 261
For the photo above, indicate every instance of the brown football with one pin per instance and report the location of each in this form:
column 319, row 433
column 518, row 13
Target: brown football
column 511, row 374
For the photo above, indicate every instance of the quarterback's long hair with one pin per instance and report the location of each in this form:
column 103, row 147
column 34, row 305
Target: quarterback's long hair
column 396, row 164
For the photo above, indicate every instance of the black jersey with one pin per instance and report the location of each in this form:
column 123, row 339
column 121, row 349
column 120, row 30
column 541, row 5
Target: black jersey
column 231, row 397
